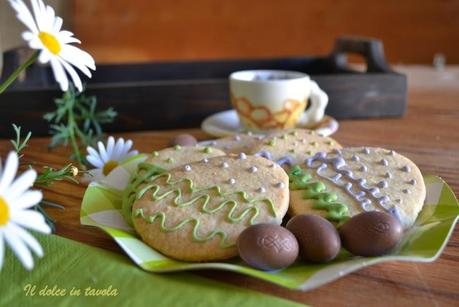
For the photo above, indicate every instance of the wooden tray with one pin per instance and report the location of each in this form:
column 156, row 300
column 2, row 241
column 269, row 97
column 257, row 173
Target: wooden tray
column 181, row 94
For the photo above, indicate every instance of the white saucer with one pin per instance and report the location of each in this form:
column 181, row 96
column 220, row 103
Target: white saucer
column 227, row 123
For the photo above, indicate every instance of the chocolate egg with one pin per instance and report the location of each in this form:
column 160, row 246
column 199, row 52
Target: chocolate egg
column 371, row 233
column 318, row 239
column 267, row 247
column 184, row 140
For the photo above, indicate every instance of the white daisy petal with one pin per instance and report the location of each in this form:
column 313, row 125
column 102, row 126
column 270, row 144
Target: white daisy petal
column 35, row 43
column 110, row 145
column 118, row 149
column 28, row 35
column 18, row 247
column 9, row 171
column 2, row 250
column 133, row 153
column 102, row 152
column 24, row 15
column 69, row 57
column 73, row 74
column 30, row 219
column 94, row 161
column 127, row 146
column 76, row 54
column 21, row 184
column 37, row 12
column 57, row 24
column 28, row 239
column 44, row 57
column 92, row 152
column 59, row 74
column 27, row 200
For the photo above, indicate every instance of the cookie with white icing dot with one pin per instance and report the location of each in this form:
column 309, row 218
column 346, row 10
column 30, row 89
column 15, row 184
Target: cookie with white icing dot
column 176, row 156
column 346, row 182
column 238, row 143
column 166, row 159
column 196, row 212
column 290, row 147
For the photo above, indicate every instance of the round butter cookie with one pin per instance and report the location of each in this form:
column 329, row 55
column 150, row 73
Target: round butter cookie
column 197, row 211
column 343, row 183
column 290, row 147
column 160, row 161
column 238, row 143
column 173, row 157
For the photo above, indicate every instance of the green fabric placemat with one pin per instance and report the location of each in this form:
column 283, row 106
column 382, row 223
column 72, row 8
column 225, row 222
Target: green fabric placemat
column 71, row 265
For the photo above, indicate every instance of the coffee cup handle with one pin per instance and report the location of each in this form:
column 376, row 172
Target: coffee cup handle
column 319, row 100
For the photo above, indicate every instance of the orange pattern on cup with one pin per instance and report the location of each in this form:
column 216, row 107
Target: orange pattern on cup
column 261, row 117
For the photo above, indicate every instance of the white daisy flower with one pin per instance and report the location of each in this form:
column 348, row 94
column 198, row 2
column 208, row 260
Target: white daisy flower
column 15, row 214
column 108, row 157
column 45, row 34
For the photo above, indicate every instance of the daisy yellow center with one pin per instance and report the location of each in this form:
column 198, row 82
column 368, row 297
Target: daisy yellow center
column 4, row 212
column 109, row 166
column 50, row 42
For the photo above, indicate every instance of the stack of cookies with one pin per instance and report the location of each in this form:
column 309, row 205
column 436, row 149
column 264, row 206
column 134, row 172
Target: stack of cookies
column 192, row 202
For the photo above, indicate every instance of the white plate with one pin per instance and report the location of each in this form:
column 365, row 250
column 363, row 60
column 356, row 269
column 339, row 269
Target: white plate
column 227, row 123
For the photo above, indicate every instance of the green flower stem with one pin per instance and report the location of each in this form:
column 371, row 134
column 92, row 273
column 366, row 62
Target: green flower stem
column 73, row 140
column 16, row 73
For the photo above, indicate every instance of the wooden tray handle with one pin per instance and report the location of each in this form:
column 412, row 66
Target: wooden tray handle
column 371, row 49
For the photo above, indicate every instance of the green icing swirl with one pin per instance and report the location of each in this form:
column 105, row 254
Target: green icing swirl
column 162, row 217
column 317, row 191
column 144, row 171
column 148, row 174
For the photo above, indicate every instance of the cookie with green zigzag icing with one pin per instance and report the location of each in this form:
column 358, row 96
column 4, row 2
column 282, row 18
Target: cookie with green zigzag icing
column 343, row 183
column 197, row 211
column 161, row 161
column 294, row 146
column 173, row 157
column 242, row 142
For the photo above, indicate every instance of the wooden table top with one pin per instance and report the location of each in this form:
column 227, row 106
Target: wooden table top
column 428, row 134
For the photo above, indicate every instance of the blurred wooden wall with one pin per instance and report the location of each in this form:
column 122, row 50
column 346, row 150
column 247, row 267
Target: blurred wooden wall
column 141, row 30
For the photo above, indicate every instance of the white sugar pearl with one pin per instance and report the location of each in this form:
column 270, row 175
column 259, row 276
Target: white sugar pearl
column 406, row 169
column 412, row 182
column 187, row 168
column 391, row 153
column 237, row 138
column 253, row 169
column 205, row 160
column 382, row 184
column 406, row 191
column 280, row 185
column 365, row 150
column 363, row 168
column 242, row 156
column 388, row 175
column 384, row 162
column 355, row 158
column 231, row 181
column 225, row 165
column 261, row 190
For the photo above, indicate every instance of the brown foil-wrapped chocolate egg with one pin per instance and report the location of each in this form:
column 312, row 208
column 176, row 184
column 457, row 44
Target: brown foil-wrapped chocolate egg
column 184, row 140
column 318, row 239
column 371, row 233
column 267, row 247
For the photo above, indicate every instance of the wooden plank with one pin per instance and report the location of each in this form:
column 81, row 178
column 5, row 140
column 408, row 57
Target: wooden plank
column 149, row 30
column 428, row 134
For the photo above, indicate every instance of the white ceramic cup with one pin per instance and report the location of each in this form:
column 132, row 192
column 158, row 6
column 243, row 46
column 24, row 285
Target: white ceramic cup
column 276, row 99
